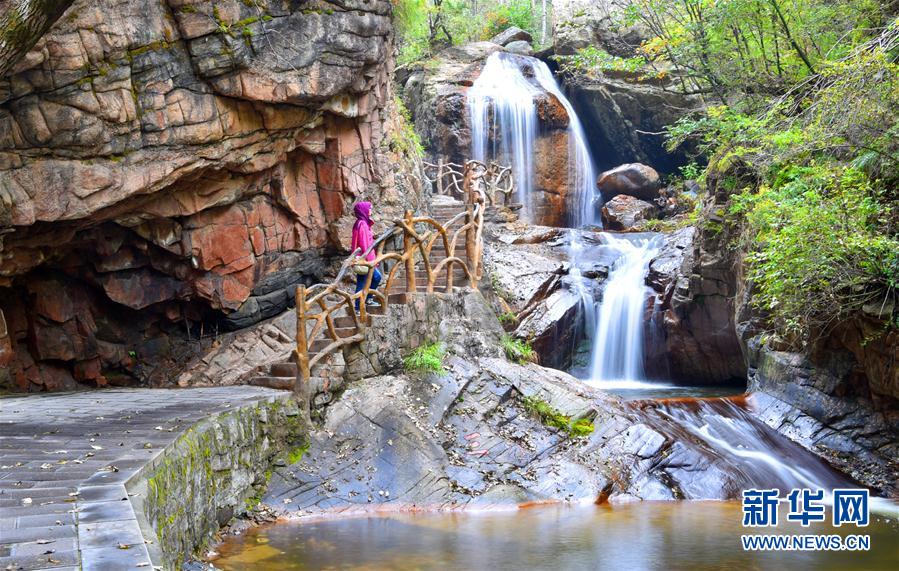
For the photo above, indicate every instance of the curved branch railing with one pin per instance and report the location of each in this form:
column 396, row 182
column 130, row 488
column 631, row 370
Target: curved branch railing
column 317, row 304
column 495, row 181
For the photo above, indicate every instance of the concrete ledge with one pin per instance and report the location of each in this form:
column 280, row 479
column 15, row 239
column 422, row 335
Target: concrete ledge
column 129, row 478
column 214, row 471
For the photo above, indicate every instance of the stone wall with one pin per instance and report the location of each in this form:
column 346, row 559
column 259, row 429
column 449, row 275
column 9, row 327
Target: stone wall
column 462, row 321
column 174, row 168
column 217, row 470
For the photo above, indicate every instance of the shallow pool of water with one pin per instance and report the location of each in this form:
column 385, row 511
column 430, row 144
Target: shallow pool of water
column 637, row 536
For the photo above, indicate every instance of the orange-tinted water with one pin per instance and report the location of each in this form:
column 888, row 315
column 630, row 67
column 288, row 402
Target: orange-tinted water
column 637, row 536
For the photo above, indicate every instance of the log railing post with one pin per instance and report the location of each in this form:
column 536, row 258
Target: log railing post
column 439, row 180
column 411, row 286
column 471, row 243
column 301, row 354
column 467, row 183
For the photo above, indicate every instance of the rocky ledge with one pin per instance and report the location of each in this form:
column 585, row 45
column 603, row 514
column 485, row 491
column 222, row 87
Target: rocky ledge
column 486, row 432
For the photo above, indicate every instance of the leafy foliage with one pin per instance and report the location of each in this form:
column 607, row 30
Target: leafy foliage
column 590, row 59
column 808, row 94
column 822, row 253
column 551, row 416
column 405, row 140
column 425, row 359
column 518, row 350
column 426, row 26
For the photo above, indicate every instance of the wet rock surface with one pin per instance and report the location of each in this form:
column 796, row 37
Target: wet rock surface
column 465, row 439
column 530, row 271
column 625, row 212
column 470, row 436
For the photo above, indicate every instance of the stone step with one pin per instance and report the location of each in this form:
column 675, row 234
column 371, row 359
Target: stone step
column 279, row 383
column 283, row 370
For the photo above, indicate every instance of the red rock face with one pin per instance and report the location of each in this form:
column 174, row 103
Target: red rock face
column 550, row 201
column 167, row 177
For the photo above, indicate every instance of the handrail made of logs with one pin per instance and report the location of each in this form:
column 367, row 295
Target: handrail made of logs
column 495, row 181
column 317, row 304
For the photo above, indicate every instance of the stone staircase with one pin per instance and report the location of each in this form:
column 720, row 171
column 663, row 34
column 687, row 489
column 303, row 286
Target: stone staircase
column 328, row 372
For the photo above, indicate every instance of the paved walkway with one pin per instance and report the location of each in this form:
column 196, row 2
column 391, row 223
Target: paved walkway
column 64, row 462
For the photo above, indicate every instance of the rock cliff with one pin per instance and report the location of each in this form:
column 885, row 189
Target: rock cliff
column 172, row 168
column 837, row 397
column 624, row 113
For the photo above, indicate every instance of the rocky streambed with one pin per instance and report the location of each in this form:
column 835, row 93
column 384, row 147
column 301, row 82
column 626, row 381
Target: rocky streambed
column 490, row 432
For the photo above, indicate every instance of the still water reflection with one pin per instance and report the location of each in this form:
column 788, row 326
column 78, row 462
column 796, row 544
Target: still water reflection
column 675, row 535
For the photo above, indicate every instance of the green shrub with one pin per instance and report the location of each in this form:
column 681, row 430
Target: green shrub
column 517, row 350
column 591, row 60
column 819, row 251
column 425, row 359
column 519, row 13
column 508, row 318
column 553, row 417
column 405, row 140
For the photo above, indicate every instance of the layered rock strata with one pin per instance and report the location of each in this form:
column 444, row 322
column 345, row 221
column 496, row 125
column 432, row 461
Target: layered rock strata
column 173, row 168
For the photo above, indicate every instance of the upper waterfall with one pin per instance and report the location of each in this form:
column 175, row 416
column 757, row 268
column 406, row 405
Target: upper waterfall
column 503, row 107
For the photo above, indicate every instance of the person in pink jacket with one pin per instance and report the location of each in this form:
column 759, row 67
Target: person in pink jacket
column 363, row 239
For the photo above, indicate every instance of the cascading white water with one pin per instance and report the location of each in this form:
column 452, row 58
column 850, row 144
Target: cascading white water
column 617, row 356
column 509, row 85
column 502, row 87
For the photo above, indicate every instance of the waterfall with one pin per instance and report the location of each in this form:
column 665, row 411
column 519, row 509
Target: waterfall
column 581, row 172
column 617, row 356
column 503, row 87
column 502, row 104
column 509, row 86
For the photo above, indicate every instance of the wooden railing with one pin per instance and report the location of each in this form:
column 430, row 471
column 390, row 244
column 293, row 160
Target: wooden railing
column 493, row 181
column 317, row 306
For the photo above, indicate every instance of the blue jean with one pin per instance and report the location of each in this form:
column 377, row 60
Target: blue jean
column 360, row 283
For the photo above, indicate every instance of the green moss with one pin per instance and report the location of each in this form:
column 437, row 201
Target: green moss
column 152, row 46
column 297, row 453
column 553, row 417
column 508, row 318
column 188, row 9
column 425, row 359
column 517, row 350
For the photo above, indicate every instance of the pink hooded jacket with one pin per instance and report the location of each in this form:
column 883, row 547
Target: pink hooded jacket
column 362, row 235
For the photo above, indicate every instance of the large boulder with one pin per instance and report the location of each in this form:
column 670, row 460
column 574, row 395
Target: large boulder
column 521, row 48
column 530, row 271
column 627, row 213
column 578, row 24
column 633, row 179
column 510, row 35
